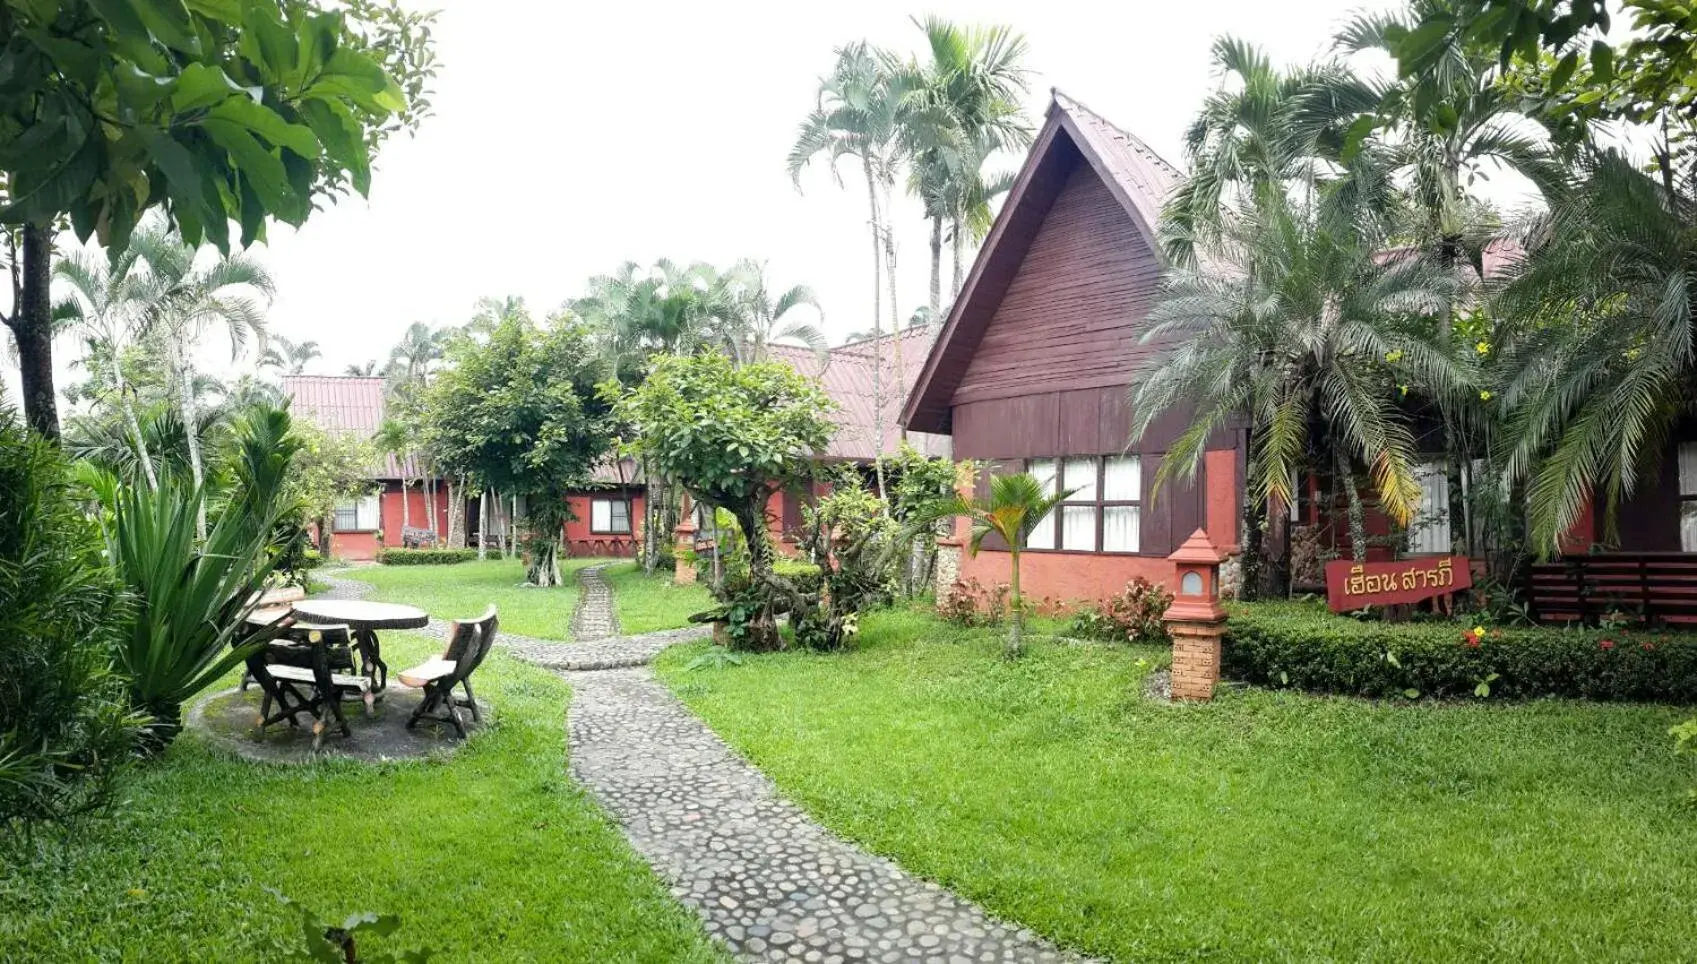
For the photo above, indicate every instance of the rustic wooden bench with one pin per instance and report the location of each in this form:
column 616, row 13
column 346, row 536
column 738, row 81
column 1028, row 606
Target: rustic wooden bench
column 1659, row 588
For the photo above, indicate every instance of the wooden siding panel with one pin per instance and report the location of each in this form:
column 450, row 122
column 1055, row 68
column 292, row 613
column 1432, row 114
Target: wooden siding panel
column 1074, row 312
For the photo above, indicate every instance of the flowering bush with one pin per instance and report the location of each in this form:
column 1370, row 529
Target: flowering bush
column 1133, row 615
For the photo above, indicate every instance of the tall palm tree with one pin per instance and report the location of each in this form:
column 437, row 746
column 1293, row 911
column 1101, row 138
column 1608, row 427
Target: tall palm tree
column 100, row 301
column 419, row 349
column 1015, row 506
column 855, row 116
column 954, row 112
column 1602, row 353
column 180, row 300
column 289, row 356
column 1318, row 340
column 365, row 370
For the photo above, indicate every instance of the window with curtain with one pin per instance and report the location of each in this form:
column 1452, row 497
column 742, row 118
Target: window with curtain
column 609, row 517
column 357, row 515
column 1429, row 530
column 1688, row 496
column 1102, row 514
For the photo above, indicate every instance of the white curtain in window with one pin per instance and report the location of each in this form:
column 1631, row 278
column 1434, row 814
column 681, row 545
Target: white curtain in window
column 600, row 515
column 1043, row 536
column 1429, row 531
column 1688, row 487
column 1078, row 527
column 1080, row 474
column 1121, row 528
column 1122, row 479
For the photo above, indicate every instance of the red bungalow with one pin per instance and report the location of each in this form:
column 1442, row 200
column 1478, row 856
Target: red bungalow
column 1032, row 368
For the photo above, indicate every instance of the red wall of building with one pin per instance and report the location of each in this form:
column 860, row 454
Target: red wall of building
column 418, row 506
column 353, row 546
column 582, row 542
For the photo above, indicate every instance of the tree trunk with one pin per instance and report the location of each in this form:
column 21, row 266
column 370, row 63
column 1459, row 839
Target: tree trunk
column 127, row 404
column 406, row 507
column 1357, row 515
column 191, row 424
column 1016, row 625
column 895, row 314
column 959, row 244
column 936, row 267
column 483, row 524
column 877, row 329
column 762, row 631
column 513, row 527
column 32, row 326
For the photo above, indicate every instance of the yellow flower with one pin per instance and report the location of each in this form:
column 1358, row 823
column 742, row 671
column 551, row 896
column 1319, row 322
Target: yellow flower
column 1393, row 356
column 1479, row 631
column 1485, row 396
column 1404, row 389
column 1483, row 348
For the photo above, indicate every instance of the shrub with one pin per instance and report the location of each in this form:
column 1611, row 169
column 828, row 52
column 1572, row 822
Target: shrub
column 968, row 603
column 807, row 577
column 1133, row 615
column 1305, row 646
column 426, row 557
column 65, row 730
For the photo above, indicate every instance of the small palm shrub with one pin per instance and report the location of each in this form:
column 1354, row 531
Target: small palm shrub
column 1134, row 614
column 65, row 728
column 191, row 599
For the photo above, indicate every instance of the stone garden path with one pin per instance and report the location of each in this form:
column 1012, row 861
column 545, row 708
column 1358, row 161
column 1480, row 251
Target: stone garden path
column 768, row 881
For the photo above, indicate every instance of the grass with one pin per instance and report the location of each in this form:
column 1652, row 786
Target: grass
column 1265, row 825
column 466, row 589
column 491, row 854
column 650, row 603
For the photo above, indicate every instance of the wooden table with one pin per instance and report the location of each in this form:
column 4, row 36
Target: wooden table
column 363, row 619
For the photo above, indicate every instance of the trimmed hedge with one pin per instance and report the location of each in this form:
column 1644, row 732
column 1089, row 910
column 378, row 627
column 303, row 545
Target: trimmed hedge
column 425, row 557
column 807, row 577
column 1306, row 646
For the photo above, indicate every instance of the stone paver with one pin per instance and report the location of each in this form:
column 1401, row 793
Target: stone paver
column 596, row 617
column 768, row 881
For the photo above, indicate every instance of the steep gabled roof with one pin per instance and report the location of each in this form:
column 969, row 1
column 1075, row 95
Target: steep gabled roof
column 1136, row 176
column 346, row 404
column 846, row 374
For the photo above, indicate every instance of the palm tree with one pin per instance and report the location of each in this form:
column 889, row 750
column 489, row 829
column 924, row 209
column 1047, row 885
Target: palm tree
column 100, row 302
column 1316, row 338
column 855, row 116
column 366, row 370
column 1601, row 352
column 418, row 350
column 953, row 113
column 1015, row 506
column 180, row 300
column 289, row 356
column 746, row 318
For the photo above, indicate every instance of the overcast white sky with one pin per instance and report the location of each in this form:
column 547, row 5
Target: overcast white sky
column 569, row 138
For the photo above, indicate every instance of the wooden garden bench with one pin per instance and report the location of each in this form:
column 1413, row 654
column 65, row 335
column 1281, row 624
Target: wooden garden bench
column 469, row 641
column 313, row 690
column 1659, row 588
column 412, row 537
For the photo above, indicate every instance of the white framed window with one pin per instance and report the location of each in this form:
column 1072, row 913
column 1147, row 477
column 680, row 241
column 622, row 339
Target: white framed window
column 609, row 517
column 1103, row 514
column 357, row 515
column 1688, row 496
column 1043, row 535
column 1429, row 530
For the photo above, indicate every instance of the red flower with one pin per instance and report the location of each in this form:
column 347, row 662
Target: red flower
column 1470, row 639
column 1606, row 644
column 1647, row 647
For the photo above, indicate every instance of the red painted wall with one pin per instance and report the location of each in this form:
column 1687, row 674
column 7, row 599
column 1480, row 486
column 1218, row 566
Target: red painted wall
column 581, row 542
column 353, row 546
column 1222, row 507
column 419, row 508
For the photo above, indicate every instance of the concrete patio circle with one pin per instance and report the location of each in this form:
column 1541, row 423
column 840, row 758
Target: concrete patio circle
column 227, row 720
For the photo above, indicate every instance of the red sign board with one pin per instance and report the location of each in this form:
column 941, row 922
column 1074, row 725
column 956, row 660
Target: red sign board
column 1352, row 585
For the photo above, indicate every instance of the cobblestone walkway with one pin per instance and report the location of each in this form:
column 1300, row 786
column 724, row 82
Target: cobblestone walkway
column 595, row 617
column 768, row 882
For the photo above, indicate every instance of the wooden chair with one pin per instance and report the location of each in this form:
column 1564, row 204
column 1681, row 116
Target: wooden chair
column 294, row 648
column 469, row 642
column 314, row 689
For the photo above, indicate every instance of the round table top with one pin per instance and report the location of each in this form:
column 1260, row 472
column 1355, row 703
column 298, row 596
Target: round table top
column 363, row 615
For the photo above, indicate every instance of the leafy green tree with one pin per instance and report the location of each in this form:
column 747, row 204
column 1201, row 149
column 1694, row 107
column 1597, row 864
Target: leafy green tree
column 328, row 468
column 213, row 111
column 1316, row 339
column 1015, row 505
column 517, row 410
column 733, row 436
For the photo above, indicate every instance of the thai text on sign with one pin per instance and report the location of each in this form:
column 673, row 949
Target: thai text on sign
column 1352, row 585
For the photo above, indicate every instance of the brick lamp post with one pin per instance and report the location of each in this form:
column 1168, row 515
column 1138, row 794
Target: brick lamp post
column 1195, row 618
column 684, row 535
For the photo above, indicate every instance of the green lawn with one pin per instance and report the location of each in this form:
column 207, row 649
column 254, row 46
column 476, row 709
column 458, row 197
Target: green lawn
column 492, row 854
column 650, row 603
column 466, row 589
column 1266, row 825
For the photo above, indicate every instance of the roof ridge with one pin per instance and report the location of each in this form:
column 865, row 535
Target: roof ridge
column 1073, row 104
